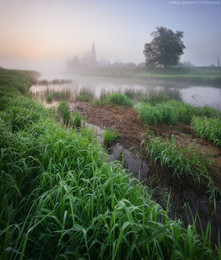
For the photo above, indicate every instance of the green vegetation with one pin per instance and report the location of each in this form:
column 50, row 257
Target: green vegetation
column 85, row 95
column 165, row 48
column 58, row 96
column 77, row 119
column 183, row 162
column 64, row 112
column 155, row 97
column 49, row 98
column 174, row 111
column 13, row 83
column 61, row 199
column 109, row 136
column 113, row 98
column 208, row 128
column 134, row 94
column 119, row 99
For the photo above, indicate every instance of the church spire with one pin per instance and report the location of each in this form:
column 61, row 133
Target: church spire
column 93, row 52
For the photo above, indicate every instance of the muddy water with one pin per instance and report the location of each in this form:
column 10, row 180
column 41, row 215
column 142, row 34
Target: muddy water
column 196, row 95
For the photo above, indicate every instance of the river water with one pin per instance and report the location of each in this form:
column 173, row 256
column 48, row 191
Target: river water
column 197, row 95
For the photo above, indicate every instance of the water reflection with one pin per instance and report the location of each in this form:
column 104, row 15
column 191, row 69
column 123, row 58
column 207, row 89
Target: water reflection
column 196, row 95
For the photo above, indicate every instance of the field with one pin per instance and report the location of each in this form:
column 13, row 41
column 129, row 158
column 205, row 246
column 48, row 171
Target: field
column 62, row 199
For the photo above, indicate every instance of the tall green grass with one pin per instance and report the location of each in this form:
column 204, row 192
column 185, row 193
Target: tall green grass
column 60, row 198
column 119, row 99
column 64, row 112
column 208, row 128
column 85, row 95
column 182, row 162
column 157, row 97
column 58, row 96
column 174, row 111
column 109, row 136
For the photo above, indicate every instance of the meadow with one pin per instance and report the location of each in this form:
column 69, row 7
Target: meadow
column 62, row 199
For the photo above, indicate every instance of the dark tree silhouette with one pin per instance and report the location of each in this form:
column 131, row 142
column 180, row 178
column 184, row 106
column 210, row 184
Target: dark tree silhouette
column 165, row 49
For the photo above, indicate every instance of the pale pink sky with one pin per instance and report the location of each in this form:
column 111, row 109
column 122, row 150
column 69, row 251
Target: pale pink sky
column 33, row 31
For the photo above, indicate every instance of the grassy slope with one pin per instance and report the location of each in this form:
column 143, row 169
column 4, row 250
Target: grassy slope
column 194, row 74
column 60, row 199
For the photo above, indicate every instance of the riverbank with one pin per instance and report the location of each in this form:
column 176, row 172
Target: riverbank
column 201, row 75
column 132, row 134
column 61, row 197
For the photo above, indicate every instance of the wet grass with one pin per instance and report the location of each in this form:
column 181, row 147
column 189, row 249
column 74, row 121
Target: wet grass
column 174, row 111
column 60, row 198
column 158, row 97
column 85, row 95
column 58, row 96
column 109, row 136
column 114, row 99
column 64, row 112
column 208, row 128
column 182, row 162
column 119, row 99
column 77, row 120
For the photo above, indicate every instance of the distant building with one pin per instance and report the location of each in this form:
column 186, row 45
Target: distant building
column 89, row 59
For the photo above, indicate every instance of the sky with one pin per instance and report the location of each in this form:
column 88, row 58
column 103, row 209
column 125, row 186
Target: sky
column 37, row 32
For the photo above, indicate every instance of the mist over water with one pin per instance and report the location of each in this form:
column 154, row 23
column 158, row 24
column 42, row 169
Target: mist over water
column 195, row 95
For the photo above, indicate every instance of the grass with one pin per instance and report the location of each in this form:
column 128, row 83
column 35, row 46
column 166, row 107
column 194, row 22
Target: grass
column 109, row 136
column 58, row 96
column 64, row 112
column 174, row 111
column 119, row 99
column 208, row 128
column 182, row 162
column 157, row 97
column 134, row 94
column 114, row 99
column 77, row 120
column 61, row 199
column 85, row 95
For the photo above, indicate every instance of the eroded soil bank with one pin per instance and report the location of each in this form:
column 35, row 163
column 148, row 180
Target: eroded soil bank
column 132, row 131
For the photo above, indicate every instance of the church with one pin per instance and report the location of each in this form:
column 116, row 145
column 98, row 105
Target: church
column 89, row 59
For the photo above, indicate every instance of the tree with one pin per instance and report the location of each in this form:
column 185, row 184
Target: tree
column 165, row 49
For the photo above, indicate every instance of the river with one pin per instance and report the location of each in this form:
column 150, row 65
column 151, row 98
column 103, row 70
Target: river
column 197, row 95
